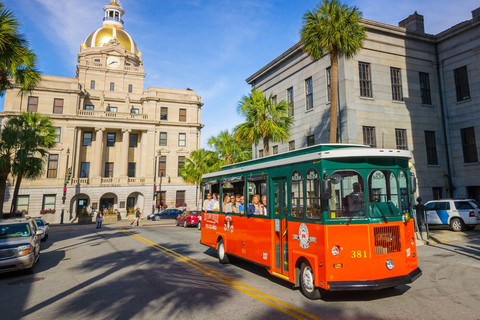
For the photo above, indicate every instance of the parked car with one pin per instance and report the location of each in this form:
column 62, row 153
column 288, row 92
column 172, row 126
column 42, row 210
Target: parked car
column 459, row 214
column 165, row 214
column 43, row 226
column 188, row 218
column 19, row 245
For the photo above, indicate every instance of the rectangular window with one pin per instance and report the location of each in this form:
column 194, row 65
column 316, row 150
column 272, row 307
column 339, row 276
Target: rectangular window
column 112, row 109
column 369, row 136
column 431, row 146
column 92, row 84
column 396, row 81
column 180, row 197
column 163, row 138
column 58, row 132
column 291, row 145
column 89, row 107
column 162, row 166
column 365, row 79
column 329, row 81
column 310, row 140
column 473, row 192
column 134, row 111
column 163, row 113
column 425, row 88
column 182, row 139
column 275, row 149
column 133, row 140
column 22, row 202
column 469, row 145
column 401, row 139
column 58, row 106
column 32, row 104
column 112, row 86
column 461, row 83
column 181, row 161
column 309, row 93
column 183, row 115
column 291, row 105
column 49, row 201
column 84, row 169
column 130, row 88
column 87, row 139
column 52, row 166
column 111, row 139
column 260, row 153
column 437, row 193
column 131, row 169
column 108, row 170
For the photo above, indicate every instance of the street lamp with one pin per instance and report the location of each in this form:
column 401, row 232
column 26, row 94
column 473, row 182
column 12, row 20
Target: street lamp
column 68, row 172
column 155, row 184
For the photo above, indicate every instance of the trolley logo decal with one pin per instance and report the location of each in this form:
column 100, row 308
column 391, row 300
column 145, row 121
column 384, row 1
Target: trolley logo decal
column 228, row 224
column 303, row 238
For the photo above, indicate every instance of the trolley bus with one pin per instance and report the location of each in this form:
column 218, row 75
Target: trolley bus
column 335, row 217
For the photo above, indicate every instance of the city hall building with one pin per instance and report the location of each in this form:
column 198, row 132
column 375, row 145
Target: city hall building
column 405, row 89
column 118, row 140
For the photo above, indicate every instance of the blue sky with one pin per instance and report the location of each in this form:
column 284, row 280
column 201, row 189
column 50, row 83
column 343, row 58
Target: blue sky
column 210, row 46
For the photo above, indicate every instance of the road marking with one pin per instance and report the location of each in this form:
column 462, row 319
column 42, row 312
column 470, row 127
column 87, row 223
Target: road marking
column 271, row 301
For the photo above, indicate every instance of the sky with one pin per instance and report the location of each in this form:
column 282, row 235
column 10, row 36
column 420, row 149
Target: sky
column 210, row 46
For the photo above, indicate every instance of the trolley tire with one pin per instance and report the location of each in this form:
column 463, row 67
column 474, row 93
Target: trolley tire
column 307, row 283
column 222, row 255
column 457, row 224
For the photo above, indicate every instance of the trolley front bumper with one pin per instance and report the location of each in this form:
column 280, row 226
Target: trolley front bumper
column 375, row 284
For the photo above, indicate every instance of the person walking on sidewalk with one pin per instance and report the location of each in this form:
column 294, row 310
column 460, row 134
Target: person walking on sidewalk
column 138, row 216
column 99, row 219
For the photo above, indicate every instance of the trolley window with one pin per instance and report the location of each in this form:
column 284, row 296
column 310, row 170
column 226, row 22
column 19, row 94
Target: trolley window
column 232, row 189
column 257, row 188
column 348, row 200
column 296, row 186
column 404, row 194
column 383, row 192
column 211, row 192
column 312, row 189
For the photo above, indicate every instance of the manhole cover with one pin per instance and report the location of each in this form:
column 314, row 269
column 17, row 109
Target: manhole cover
column 24, row 281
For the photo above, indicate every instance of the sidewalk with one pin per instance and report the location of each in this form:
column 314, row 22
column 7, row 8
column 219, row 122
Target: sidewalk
column 117, row 224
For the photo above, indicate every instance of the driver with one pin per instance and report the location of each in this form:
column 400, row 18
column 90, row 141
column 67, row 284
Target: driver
column 356, row 199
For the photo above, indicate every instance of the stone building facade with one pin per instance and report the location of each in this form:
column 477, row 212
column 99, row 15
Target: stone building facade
column 405, row 89
column 118, row 140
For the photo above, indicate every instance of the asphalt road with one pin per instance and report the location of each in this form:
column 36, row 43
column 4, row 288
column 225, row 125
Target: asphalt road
column 159, row 271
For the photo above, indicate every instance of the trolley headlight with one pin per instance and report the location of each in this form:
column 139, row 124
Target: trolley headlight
column 390, row 264
column 336, row 250
column 406, row 217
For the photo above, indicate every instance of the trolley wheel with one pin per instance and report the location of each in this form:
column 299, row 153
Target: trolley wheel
column 457, row 224
column 222, row 256
column 307, row 283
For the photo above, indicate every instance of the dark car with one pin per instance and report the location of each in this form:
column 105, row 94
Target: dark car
column 188, row 218
column 165, row 214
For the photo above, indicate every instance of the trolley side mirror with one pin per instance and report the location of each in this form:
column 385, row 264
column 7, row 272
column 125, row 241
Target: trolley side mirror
column 326, row 189
column 413, row 184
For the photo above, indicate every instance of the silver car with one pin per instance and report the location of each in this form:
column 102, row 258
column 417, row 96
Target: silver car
column 42, row 226
column 19, row 245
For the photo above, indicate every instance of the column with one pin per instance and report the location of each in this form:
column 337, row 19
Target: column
column 98, row 154
column 124, row 153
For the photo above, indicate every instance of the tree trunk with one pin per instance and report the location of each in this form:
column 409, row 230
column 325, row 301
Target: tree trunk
column 13, row 207
column 3, row 188
column 333, row 97
column 266, row 147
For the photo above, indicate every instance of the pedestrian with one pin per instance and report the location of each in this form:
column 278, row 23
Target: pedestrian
column 138, row 216
column 99, row 219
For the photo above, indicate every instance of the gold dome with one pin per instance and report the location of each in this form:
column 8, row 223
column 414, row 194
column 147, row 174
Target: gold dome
column 103, row 35
column 114, row 3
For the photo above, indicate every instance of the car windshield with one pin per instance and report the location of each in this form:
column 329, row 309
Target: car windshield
column 15, row 230
column 195, row 212
column 39, row 222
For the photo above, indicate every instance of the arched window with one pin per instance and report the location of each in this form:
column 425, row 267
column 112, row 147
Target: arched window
column 348, row 200
column 312, row 192
column 296, row 190
column 383, row 191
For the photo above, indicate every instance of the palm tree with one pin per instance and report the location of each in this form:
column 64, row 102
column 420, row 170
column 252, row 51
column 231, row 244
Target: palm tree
column 17, row 61
column 8, row 141
column 332, row 28
column 36, row 134
column 265, row 119
column 197, row 164
column 229, row 148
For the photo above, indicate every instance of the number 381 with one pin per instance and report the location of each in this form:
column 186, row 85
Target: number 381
column 358, row 254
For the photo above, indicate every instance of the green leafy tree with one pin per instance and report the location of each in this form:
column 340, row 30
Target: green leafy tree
column 8, row 141
column 17, row 61
column 35, row 135
column 332, row 28
column 266, row 120
column 197, row 164
column 229, row 149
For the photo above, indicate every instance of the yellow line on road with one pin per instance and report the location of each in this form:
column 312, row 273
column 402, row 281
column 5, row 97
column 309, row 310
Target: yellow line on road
column 271, row 301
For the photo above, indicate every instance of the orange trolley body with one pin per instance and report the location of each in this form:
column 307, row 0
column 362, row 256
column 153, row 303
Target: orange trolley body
column 310, row 236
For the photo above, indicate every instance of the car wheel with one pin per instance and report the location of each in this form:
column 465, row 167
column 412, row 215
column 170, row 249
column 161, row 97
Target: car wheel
column 469, row 228
column 185, row 223
column 222, row 256
column 176, row 222
column 46, row 237
column 199, row 225
column 157, row 218
column 457, row 224
column 307, row 283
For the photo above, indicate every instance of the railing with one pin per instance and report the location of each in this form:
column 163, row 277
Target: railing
column 80, row 181
column 107, row 114
column 136, row 180
column 110, row 181
column 132, row 68
column 113, row 19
